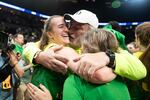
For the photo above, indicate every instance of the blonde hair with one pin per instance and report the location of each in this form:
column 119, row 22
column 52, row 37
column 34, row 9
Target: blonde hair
column 98, row 40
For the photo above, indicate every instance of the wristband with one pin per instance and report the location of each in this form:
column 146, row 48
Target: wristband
column 111, row 56
column 35, row 56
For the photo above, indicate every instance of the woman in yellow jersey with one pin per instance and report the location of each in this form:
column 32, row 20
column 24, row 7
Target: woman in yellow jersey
column 55, row 32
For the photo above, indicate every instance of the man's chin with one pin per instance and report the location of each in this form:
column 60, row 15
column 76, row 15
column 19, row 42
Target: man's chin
column 72, row 40
column 74, row 45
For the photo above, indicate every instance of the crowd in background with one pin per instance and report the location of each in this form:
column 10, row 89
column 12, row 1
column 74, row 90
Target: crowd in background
column 12, row 22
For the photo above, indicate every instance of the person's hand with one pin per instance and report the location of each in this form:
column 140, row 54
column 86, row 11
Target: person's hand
column 87, row 64
column 52, row 60
column 38, row 94
column 13, row 58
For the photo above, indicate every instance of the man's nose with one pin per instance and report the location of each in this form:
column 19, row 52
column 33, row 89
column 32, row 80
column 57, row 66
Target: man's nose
column 71, row 31
column 66, row 29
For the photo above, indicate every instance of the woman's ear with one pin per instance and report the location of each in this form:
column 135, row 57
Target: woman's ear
column 137, row 40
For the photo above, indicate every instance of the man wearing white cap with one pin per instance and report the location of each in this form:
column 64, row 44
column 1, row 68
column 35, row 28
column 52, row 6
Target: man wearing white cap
column 85, row 16
column 83, row 21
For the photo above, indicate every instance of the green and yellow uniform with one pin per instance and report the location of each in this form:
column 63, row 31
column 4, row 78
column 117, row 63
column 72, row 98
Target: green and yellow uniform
column 52, row 80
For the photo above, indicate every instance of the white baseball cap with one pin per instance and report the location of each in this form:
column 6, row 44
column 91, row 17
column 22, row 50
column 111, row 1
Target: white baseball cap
column 85, row 16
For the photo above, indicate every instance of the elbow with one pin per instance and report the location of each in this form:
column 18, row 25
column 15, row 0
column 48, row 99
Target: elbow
column 106, row 79
column 103, row 78
column 139, row 76
column 142, row 74
column 104, row 75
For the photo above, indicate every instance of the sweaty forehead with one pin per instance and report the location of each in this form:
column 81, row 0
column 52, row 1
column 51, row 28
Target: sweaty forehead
column 76, row 26
column 73, row 22
column 58, row 20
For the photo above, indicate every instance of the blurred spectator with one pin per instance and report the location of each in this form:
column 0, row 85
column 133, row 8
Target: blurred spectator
column 8, row 86
column 142, row 34
column 115, row 25
column 132, row 47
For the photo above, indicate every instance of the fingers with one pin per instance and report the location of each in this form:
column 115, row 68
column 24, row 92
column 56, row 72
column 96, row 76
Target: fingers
column 80, row 68
column 73, row 66
column 31, row 91
column 56, row 48
column 59, row 66
column 85, row 72
column 31, row 95
column 91, row 72
column 34, row 92
column 32, row 88
column 86, row 69
column 80, row 63
column 53, row 61
column 43, row 88
column 38, row 94
column 61, row 58
column 78, row 58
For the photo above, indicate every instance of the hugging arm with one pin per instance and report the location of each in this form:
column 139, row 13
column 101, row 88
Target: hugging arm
column 47, row 58
column 102, row 75
column 127, row 65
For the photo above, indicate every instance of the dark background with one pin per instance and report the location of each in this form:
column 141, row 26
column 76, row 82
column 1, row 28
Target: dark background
column 129, row 10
